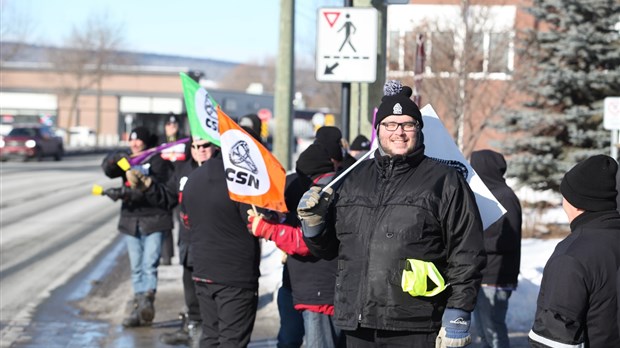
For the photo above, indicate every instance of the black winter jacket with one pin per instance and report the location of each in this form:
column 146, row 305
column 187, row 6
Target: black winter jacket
column 169, row 194
column 388, row 210
column 312, row 278
column 578, row 303
column 223, row 251
column 502, row 239
column 143, row 209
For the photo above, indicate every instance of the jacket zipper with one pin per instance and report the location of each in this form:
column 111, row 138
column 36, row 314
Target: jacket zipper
column 372, row 230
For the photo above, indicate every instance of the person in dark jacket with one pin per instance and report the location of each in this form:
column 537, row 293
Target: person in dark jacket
column 502, row 242
column 394, row 220
column 577, row 302
column 175, row 154
column 143, row 222
column 224, row 255
column 189, row 333
column 312, row 279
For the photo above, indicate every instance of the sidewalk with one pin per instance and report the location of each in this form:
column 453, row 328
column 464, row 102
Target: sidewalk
column 169, row 303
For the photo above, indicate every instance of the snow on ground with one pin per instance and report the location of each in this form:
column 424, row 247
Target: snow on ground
column 522, row 305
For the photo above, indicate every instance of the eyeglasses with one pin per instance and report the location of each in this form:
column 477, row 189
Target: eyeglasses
column 406, row 126
column 198, row 146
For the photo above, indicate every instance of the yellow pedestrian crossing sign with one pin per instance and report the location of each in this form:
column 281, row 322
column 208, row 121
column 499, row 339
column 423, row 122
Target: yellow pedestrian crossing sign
column 347, row 44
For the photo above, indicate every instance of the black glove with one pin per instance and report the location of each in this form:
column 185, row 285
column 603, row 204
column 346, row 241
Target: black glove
column 115, row 193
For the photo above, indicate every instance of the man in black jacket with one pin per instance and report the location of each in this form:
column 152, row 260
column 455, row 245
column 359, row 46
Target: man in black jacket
column 502, row 242
column 189, row 334
column 224, row 255
column 577, row 302
column 143, row 223
column 408, row 237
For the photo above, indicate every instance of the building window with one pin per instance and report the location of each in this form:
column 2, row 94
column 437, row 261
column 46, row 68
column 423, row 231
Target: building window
column 442, row 50
column 393, row 54
column 499, row 51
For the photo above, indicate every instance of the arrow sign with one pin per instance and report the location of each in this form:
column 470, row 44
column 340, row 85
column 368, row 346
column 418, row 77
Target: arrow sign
column 330, row 69
column 346, row 44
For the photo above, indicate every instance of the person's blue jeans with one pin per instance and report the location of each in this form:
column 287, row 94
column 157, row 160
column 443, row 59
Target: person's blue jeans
column 490, row 316
column 291, row 333
column 144, row 252
column 321, row 331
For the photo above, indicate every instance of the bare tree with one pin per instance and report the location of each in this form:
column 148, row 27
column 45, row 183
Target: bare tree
column 316, row 94
column 15, row 30
column 469, row 69
column 88, row 54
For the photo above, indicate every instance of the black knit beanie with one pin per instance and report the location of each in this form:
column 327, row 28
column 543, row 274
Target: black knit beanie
column 360, row 143
column 141, row 133
column 331, row 139
column 314, row 160
column 397, row 101
column 591, row 184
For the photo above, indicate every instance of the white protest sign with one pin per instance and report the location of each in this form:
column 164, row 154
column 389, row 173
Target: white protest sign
column 439, row 144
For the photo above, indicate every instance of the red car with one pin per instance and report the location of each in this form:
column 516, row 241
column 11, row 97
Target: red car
column 31, row 142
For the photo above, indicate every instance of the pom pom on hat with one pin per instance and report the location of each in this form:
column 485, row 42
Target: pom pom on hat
column 591, row 184
column 397, row 101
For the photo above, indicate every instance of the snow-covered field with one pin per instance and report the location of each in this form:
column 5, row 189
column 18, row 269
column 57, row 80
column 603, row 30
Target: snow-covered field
column 522, row 306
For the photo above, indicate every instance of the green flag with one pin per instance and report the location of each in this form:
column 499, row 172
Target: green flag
column 201, row 111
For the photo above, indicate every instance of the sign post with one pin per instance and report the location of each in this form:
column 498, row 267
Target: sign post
column 347, row 44
column 611, row 121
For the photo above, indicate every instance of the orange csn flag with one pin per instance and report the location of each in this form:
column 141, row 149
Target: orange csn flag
column 253, row 174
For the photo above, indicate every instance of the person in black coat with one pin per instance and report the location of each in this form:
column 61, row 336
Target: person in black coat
column 392, row 220
column 189, row 334
column 577, row 302
column 224, row 255
column 502, row 242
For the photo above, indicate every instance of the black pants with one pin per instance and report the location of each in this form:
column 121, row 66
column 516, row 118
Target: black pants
column 227, row 313
column 167, row 246
column 371, row 338
column 189, row 290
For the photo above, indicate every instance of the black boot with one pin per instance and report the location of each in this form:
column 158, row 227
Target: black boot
column 195, row 331
column 146, row 310
column 133, row 320
column 179, row 337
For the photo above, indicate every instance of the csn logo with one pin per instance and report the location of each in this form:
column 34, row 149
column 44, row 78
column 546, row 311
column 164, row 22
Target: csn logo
column 239, row 155
column 246, row 171
column 206, row 110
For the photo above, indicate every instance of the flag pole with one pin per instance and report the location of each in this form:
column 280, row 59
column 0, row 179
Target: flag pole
column 342, row 175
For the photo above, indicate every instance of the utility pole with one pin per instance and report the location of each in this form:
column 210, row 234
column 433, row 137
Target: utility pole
column 283, row 99
column 366, row 96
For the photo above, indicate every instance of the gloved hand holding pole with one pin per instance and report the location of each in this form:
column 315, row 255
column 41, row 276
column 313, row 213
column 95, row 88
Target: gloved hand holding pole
column 312, row 210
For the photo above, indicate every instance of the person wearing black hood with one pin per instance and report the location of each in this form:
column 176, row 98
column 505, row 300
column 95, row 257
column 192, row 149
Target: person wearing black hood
column 578, row 297
column 502, row 242
column 142, row 222
column 407, row 234
column 312, row 279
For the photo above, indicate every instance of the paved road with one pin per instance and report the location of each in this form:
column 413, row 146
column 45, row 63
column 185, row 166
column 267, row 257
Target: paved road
column 64, row 270
column 64, row 273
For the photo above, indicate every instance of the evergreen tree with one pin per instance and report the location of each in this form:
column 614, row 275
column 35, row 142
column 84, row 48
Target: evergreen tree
column 573, row 63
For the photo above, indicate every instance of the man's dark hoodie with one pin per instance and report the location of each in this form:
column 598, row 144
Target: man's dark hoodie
column 502, row 240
